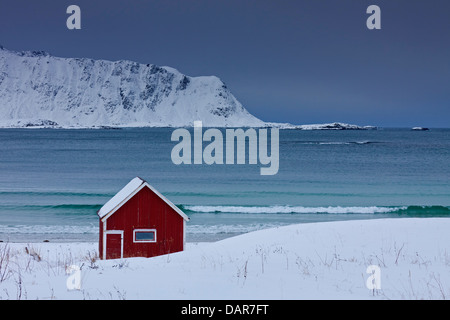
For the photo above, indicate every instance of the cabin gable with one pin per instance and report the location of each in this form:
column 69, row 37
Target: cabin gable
column 148, row 224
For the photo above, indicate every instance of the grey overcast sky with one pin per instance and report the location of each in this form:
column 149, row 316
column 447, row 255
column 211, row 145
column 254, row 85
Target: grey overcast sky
column 297, row 61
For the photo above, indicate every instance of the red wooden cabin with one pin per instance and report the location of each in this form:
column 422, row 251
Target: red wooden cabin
column 140, row 222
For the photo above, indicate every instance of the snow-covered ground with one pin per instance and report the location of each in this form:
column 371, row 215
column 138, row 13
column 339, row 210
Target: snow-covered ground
column 325, row 260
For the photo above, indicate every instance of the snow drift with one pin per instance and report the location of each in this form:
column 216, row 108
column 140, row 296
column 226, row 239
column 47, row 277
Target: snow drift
column 327, row 260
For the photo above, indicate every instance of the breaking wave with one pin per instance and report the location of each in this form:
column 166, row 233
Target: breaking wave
column 413, row 211
column 54, row 193
column 362, row 142
column 77, row 209
column 48, row 229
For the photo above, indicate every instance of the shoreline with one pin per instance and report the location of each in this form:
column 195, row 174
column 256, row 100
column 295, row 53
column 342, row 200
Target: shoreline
column 226, row 231
column 80, row 238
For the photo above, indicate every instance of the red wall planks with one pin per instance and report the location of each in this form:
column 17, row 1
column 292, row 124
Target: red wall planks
column 145, row 210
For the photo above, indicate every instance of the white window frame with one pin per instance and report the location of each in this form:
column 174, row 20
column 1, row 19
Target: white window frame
column 143, row 241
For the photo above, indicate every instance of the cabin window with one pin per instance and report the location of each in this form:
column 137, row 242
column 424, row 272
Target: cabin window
column 144, row 235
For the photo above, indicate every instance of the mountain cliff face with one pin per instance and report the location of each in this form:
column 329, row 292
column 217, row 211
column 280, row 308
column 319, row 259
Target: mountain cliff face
column 37, row 89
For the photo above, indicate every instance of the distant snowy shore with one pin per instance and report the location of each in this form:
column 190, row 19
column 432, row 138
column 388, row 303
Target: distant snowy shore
column 46, row 124
column 324, row 126
column 326, row 260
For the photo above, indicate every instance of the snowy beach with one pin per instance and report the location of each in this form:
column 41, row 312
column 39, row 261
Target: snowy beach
column 325, row 260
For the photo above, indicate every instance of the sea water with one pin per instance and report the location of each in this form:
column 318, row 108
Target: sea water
column 53, row 181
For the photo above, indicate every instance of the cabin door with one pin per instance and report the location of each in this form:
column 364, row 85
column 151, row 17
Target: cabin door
column 114, row 244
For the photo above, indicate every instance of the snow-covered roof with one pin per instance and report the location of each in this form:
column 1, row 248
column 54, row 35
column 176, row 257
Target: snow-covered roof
column 127, row 192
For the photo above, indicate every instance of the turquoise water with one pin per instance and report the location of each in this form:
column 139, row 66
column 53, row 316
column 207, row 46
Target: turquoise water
column 52, row 182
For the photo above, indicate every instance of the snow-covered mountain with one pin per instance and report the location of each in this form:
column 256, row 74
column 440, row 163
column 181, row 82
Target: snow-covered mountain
column 37, row 89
